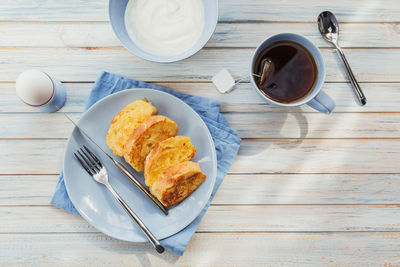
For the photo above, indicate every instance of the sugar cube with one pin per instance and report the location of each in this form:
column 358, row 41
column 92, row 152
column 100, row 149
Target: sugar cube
column 224, row 81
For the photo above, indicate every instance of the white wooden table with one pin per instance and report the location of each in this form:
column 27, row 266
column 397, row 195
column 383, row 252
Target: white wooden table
column 306, row 188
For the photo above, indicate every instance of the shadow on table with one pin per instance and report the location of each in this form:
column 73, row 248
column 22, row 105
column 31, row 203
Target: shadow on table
column 142, row 251
column 291, row 125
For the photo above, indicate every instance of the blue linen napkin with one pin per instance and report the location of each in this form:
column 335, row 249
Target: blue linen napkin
column 225, row 139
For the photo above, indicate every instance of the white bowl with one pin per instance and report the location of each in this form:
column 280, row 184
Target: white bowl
column 116, row 10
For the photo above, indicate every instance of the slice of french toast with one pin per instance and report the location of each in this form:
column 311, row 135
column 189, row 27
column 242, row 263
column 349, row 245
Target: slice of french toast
column 166, row 154
column 122, row 125
column 177, row 182
column 149, row 133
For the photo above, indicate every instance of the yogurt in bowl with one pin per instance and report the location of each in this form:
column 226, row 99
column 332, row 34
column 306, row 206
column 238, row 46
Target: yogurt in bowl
column 164, row 28
column 163, row 31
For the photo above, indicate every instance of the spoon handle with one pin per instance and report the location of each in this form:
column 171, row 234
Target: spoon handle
column 356, row 86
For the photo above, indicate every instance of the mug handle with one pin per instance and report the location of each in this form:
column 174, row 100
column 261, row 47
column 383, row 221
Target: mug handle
column 322, row 103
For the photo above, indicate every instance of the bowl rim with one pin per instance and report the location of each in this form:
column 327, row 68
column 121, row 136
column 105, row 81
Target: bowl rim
column 168, row 59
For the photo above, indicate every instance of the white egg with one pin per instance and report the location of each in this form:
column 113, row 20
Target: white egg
column 34, row 87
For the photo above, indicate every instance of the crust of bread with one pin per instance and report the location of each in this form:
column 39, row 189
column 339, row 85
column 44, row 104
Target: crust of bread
column 149, row 133
column 178, row 182
column 166, row 154
column 122, row 125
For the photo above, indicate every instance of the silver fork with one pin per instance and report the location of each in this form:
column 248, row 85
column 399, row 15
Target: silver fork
column 95, row 169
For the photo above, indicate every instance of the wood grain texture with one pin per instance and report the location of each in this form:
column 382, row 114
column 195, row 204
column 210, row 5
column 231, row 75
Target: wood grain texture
column 318, row 156
column 239, row 189
column 255, row 156
column 58, row 34
column 53, row 10
column 226, row 219
column 366, row 249
column 27, row 189
column 247, row 125
column 245, row 10
column 99, row 34
column 31, row 157
column 308, row 10
column 371, row 65
column 382, row 97
column 311, row 189
column 351, row 35
column 313, row 125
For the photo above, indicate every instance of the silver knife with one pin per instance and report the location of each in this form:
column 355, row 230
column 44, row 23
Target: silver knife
column 125, row 171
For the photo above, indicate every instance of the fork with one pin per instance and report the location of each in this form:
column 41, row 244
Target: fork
column 95, row 168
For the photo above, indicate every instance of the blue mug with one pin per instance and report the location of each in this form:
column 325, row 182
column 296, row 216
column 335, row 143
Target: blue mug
column 316, row 99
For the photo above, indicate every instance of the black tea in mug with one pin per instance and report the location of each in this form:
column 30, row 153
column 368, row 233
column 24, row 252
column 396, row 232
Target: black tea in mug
column 285, row 71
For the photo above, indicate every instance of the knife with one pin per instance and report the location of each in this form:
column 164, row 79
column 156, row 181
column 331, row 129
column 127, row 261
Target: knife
column 124, row 170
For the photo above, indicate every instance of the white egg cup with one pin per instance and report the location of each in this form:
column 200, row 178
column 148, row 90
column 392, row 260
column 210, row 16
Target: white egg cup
column 58, row 99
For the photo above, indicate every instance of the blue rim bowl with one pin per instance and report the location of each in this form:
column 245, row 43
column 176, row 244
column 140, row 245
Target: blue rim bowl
column 116, row 12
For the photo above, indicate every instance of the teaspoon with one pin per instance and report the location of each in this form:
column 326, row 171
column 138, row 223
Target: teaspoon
column 329, row 29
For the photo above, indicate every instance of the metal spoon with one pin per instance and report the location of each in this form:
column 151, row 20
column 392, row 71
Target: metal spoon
column 329, row 29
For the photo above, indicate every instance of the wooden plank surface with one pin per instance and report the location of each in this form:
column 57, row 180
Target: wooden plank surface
column 370, row 65
column 53, row 10
column 308, row 10
column 100, row 34
column 318, row 156
column 227, row 219
column 311, row 189
column 244, row 11
column 206, row 249
column 313, row 125
column 45, row 156
column 382, row 97
column 248, row 125
column 242, row 189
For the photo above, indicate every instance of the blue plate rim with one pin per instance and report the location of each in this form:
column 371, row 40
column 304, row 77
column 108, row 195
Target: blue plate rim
column 188, row 221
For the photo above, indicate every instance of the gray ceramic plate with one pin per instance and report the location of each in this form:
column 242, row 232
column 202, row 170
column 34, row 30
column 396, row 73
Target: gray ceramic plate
column 97, row 205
